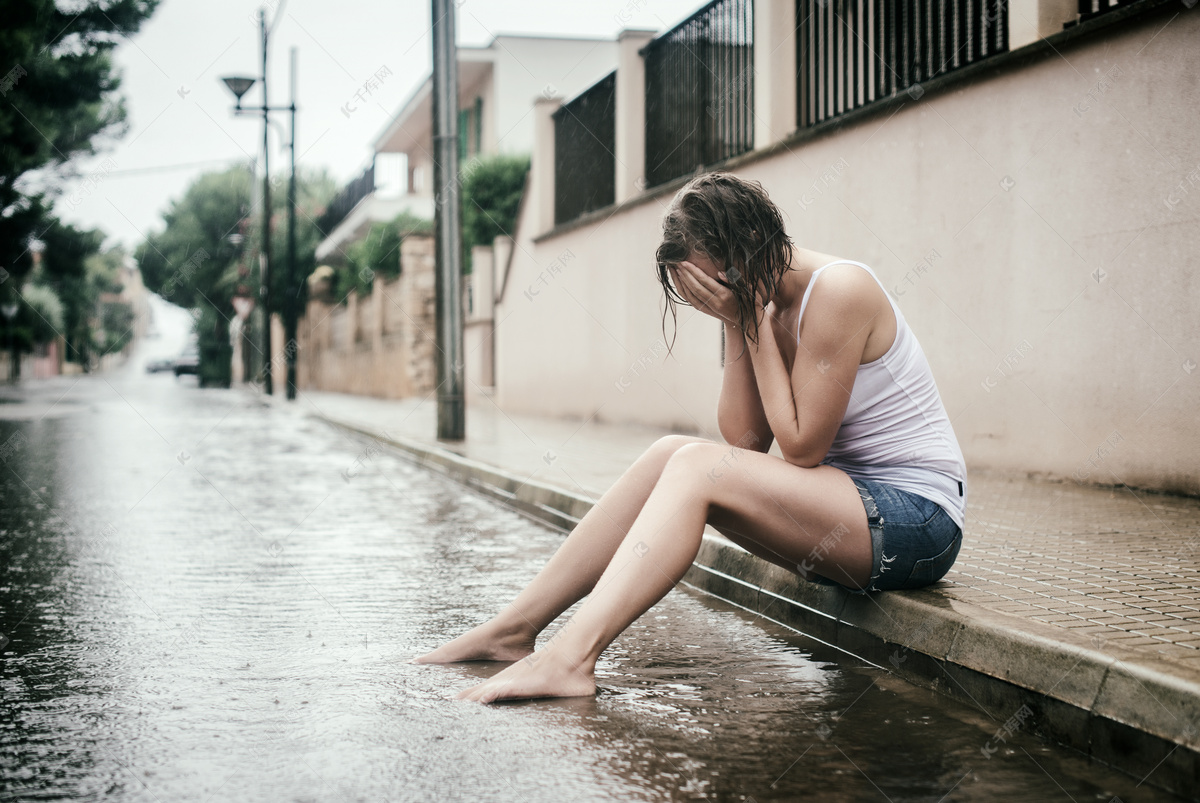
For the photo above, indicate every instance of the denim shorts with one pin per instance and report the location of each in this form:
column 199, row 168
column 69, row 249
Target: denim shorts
column 913, row 540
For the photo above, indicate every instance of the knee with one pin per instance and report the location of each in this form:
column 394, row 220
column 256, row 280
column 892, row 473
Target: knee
column 697, row 460
column 668, row 445
column 666, row 450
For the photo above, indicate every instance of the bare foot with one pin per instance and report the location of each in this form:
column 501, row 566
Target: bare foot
column 488, row 642
column 542, row 674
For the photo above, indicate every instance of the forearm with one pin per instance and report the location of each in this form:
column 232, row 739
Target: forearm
column 740, row 415
column 777, row 399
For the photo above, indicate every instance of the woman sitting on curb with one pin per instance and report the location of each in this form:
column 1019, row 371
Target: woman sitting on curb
column 869, row 493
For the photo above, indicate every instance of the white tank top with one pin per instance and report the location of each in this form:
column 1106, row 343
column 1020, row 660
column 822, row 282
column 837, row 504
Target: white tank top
column 896, row 429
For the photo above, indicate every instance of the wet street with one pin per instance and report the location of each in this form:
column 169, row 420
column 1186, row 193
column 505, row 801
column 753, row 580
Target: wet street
column 206, row 597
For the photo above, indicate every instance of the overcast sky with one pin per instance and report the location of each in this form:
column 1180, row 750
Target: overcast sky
column 180, row 113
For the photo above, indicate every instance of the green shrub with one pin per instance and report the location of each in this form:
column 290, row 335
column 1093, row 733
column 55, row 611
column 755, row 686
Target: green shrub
column 46, row 323
column 116, row 319
column 378, row 252
column 491, row 195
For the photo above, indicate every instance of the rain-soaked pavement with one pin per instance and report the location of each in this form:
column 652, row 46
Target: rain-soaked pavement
column 205, row 597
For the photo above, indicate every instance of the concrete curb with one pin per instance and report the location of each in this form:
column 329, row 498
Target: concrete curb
column 1107, row 702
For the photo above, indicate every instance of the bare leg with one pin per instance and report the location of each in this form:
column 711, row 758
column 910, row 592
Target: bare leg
column 573, row 570
column 786, row 509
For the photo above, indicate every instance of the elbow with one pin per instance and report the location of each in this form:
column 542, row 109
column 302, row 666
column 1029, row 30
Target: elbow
column 806, row 461
column 806, row 455
column 803, row 460
column 745, row 437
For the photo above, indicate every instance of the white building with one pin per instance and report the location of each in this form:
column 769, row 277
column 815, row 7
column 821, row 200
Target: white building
column 498, row 84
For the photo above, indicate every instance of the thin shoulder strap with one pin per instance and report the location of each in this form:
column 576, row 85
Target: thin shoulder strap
column 807, row 292
column 813, row 280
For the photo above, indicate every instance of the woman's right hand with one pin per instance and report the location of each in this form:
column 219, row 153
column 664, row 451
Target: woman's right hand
column 705, row 293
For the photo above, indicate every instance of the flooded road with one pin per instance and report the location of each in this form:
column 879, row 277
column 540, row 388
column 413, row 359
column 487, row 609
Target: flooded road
column 205, row 597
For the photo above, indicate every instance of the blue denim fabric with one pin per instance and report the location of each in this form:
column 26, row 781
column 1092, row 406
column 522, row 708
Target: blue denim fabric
column 914, row 542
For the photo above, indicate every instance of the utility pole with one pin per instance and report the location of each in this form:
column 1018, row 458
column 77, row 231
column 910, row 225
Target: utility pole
column 264, row 257
column 451, row 409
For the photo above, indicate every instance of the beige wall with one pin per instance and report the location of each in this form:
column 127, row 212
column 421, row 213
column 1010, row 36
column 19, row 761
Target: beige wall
column 378, row 345
column 1036, row 226
column 1033, row 19
column 478, row 296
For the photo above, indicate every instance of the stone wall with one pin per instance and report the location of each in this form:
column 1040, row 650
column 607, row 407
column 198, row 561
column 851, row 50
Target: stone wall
column 382, row 344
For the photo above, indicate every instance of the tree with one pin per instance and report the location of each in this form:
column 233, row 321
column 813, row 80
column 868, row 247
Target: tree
column 314, row 190
column 194, row 260
column 75, row 273
column 44, row 318
column 60, row 97
column 70, row 281
column 116, row 317
column 209, row 249
column 65, row 255
column 491, row 196
column 39, row 319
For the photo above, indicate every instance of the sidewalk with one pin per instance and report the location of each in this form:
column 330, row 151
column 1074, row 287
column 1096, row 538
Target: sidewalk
column 1073, row 611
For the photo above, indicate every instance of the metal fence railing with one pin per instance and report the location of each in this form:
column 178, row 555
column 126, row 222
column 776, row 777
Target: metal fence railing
column 346, row 200
column 850, row 53
column 700, row 91
column 1090, row 8
column 585, row 136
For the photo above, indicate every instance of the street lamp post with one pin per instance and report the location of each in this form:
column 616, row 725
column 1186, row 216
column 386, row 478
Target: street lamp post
column 292, row 297
column 239, row 86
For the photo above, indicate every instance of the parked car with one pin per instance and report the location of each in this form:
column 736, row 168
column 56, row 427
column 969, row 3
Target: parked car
column 160, row 364
column 187, row 363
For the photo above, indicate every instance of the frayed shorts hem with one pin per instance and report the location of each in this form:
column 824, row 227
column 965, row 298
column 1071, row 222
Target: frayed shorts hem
column 914, row 542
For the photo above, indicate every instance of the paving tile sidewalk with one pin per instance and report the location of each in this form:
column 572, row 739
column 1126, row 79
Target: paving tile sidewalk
column 1093, row 579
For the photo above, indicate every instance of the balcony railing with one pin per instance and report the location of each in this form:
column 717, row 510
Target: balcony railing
column 585, row 136
column 700, row 91
column 699, row 82
column 346, row 200
column 852, row 52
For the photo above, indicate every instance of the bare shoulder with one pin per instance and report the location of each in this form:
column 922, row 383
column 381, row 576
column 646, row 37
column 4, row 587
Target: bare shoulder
column 846, row 291
column 849, row 276
column 851, row 305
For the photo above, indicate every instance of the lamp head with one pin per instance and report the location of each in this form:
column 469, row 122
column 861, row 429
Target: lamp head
column 239, row 86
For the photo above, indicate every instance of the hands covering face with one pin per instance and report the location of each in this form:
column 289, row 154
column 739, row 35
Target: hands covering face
column 708, row 294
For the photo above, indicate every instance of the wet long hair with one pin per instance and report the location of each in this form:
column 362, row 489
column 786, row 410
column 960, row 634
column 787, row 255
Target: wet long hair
column 734, row 223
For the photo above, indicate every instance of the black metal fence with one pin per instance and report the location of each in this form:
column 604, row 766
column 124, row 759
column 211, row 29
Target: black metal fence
column 346, row 200
column 585, row 136
column 1090, row 8
column 700, row 91
column 852, row 52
